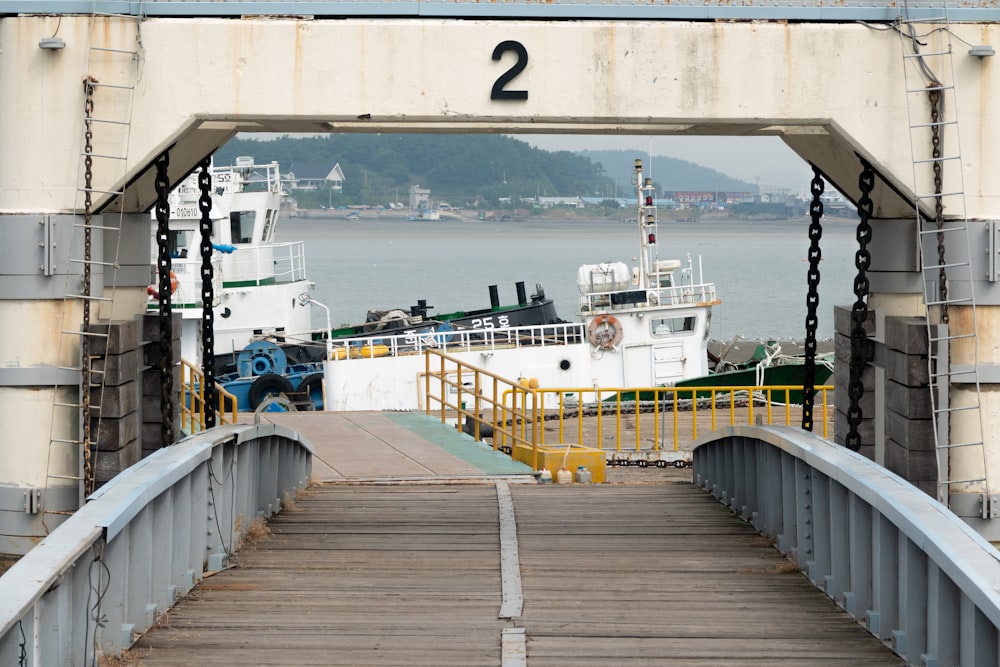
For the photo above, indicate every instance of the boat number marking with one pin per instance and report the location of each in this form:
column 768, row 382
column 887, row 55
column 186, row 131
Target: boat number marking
column 502, row 321
column 499, row 91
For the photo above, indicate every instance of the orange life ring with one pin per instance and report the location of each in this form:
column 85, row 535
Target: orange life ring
column 605, row 332
column 155, row 293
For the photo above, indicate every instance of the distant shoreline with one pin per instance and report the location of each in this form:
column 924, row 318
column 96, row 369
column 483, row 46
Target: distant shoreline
column 553, row 214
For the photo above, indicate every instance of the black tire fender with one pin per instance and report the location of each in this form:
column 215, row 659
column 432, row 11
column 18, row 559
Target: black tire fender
column 310, row 384
column 270, row 384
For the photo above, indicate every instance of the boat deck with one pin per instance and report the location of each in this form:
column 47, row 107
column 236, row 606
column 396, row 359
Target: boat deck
column 377, row 569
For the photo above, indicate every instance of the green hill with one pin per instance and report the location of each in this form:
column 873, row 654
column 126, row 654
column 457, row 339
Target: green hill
column 380, row 168
column 669, row 174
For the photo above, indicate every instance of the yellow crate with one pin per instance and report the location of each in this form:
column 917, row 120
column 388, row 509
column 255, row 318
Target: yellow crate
column 551, row 457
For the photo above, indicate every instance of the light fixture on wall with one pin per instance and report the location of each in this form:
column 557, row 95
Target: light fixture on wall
column 51, row 43
column 981, row 50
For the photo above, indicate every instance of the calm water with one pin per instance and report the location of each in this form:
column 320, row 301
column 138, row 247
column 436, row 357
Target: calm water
column 759, row 268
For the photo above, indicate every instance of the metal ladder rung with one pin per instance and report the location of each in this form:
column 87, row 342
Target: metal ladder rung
column 955, row 337
column 940, row 123
column 69, row 405
column 929, row 89
column 93, row 261
column 944, row 158
column 935, row 376
column 964, row 408
column 960, row 444
column 64, row 441
column 102, row 227
column 85, row 333
column 928, row 232
column 107, row 120
column 929, row 54
column 106, row 157
column 102, row 192
column 963, row 481
column 950, row 302
column 86, row 297
column 116, row 86
column 931, row 267
column 935, row 195
column 107, row 50
column 54, row 476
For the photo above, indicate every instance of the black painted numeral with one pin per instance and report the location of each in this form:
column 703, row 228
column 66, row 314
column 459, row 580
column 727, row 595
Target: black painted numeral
column 499, row 91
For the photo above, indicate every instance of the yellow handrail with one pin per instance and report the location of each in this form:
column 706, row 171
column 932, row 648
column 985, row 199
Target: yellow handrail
column 515, row 405
column 192, row 400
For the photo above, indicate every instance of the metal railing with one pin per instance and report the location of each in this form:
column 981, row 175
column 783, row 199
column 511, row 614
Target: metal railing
column 143, row 541
column 913, row 573
column 192, row 400
column 413, row 342
column 265, row 264
column 664, row 418
column 466, row 393
column 446, row 384
column 677, row 295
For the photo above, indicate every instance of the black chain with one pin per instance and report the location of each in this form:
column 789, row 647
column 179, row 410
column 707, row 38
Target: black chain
column 163, row 267
column 207, row 292
column 88, row 205
column 937, row 102
column 812, row 299
column 859, row 312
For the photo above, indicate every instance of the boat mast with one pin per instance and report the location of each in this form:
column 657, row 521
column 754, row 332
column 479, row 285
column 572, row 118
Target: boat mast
column 649, row 248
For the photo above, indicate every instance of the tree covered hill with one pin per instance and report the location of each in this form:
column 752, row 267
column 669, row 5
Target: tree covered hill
column 380, row 168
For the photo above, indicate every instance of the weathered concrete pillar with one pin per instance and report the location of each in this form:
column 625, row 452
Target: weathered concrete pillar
column 40, row 380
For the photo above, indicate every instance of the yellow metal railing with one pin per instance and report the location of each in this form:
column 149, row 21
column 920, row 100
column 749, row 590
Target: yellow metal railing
column 193, row 400
column 671, row 415
column 667, row 417
column 461, row 390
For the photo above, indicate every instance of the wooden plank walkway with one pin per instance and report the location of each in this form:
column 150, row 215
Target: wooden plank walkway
column 410, row 575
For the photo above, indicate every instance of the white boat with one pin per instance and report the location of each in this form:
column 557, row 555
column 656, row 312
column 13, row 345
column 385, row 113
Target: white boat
column 639, row 326
column 257, row 282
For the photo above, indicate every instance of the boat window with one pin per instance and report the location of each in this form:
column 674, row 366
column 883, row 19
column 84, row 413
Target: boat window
column 265, row 237
column 179, row 240
column 241, row 226
column 666, row 280
column 665, row 326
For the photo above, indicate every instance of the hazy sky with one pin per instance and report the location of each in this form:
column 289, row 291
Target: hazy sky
column 746, row 158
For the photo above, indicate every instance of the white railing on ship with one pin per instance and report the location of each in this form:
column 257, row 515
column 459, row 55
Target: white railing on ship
column 277, row 262
column 188, row 274
column 673, row 296
column 460, row 340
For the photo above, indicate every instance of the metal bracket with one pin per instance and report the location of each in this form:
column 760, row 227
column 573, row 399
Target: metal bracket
column 48, row 244
column 32, row 501
column 993, row 250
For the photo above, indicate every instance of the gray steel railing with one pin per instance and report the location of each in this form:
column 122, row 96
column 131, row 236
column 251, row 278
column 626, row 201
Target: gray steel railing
column 143, row 540
column 899, row 562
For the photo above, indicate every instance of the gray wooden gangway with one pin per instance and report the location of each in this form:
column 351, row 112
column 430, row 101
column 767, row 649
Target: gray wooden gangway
column 409, row 561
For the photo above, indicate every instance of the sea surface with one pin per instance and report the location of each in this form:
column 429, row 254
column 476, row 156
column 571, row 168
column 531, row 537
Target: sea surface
column 759, row 268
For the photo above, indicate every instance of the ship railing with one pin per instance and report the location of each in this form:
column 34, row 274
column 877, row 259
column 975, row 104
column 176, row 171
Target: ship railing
column 661, row 419
column 677, row 295
column 458, row 340
column 193, row 403
column 187, row 271
column 143, row 540
column 266, row 264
